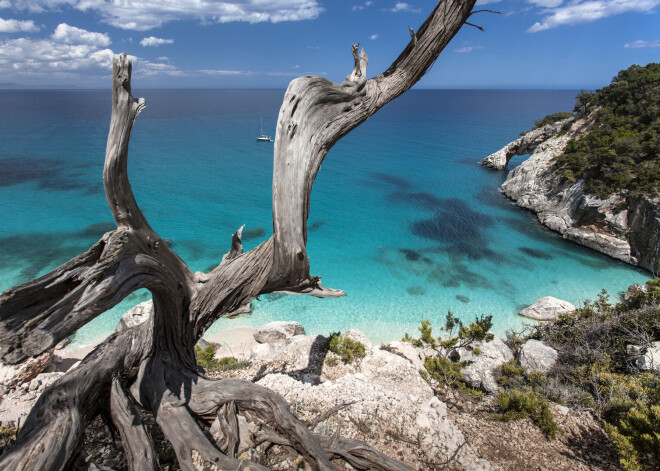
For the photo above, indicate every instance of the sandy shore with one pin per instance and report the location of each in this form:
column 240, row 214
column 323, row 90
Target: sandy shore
column 234, row 342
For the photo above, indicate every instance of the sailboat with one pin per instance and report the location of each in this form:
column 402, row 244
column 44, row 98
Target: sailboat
column 261, row 136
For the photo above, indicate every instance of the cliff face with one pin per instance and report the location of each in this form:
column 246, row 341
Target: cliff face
column 623, row 227
column 525, row 144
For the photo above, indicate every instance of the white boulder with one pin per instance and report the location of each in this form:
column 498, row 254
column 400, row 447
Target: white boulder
column 12, row 376
column 278, row 332
column 537, row 356
column 547, row 309
column 479, row 373
column 405, row 350
column 651, row 358
column 135, row 316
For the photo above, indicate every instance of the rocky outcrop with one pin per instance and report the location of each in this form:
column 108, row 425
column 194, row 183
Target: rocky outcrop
column 650, row 359
column 382, row 396
column 278, row 332
column 624, row 227
column 135, row 316
column 479, row 372
column 547, row 309
column 407, row 351
column 525, row 144
column 537, row 356
column 12, row 376
column 16, row 405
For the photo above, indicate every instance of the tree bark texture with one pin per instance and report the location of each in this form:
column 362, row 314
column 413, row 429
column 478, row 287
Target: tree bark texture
column 152, row 365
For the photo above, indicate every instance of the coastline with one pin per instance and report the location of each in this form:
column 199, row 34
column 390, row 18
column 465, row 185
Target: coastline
column 623, row 227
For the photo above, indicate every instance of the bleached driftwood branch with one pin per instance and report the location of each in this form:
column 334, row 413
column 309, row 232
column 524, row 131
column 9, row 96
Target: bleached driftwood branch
column 155, row 360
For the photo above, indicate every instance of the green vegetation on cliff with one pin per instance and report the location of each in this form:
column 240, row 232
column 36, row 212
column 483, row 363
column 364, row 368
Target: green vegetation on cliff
column 599, row 346
column 550, row 119
column 622, row 149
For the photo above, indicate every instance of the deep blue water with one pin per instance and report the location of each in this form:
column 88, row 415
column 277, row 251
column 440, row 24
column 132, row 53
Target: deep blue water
column 402, row 216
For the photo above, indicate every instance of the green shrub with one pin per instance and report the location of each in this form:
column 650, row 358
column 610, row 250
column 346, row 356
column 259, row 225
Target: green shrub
column 458, row 335
column 230, row 363
column 510, row 374
column 443, row 370
column 596, row 369
column 550, row 119
column 621, row 151
column 206, row 359
column 445, row 366
column 7, row 434
column 637, row 438
column 348, row 349
column 516, row 404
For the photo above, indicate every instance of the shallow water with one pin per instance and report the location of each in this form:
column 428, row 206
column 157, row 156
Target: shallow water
column 402, row 216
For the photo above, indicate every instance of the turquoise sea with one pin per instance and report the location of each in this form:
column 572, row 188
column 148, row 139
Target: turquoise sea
column 403, row 218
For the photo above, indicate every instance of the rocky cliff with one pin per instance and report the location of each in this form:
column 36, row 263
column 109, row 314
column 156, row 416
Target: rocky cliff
column 622, row 226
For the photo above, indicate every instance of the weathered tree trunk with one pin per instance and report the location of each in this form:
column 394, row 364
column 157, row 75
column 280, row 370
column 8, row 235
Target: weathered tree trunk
column 155, row 360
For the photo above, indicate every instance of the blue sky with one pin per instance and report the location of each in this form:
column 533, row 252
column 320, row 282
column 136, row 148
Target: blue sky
column 264, row 44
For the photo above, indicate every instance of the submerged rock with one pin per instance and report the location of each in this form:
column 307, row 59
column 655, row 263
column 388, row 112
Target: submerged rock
column 537, row 356
column 547, row 309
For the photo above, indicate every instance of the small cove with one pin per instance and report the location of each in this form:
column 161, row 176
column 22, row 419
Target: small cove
column 403, row 218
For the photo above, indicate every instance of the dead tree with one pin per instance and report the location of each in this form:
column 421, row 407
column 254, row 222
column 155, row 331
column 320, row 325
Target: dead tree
column 153, row 364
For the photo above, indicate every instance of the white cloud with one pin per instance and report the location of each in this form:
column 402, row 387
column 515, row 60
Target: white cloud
column 5, row 4
column 641, row 43
column 70, row 56
column 361, row 7
column 142, row 15
column 71, row 35
column 468, row 48
column 486, row 2
column 578, row 12
column 373, row 37
column 17, row 26
column 45, row 55
column 162, row 58
column 145, row 68
column 223, row 72
column 295, row 66
column 546, row 3
column 401, row 6
column 152, row 41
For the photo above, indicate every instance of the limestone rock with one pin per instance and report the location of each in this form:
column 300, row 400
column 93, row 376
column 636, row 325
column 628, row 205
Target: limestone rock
column 357, row 336
column 525, row 144
column 385, row 401
column 135, row 316
column 278, row 332
column 405, row 350
column 650, row 360
column 301, row 357
column 479, row 373
column 16, row 405
column 537, row 356
column 547, row 309
column 625, row 227
column 12, row 376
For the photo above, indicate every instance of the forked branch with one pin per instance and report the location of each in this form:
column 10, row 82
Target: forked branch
column 156, row 358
